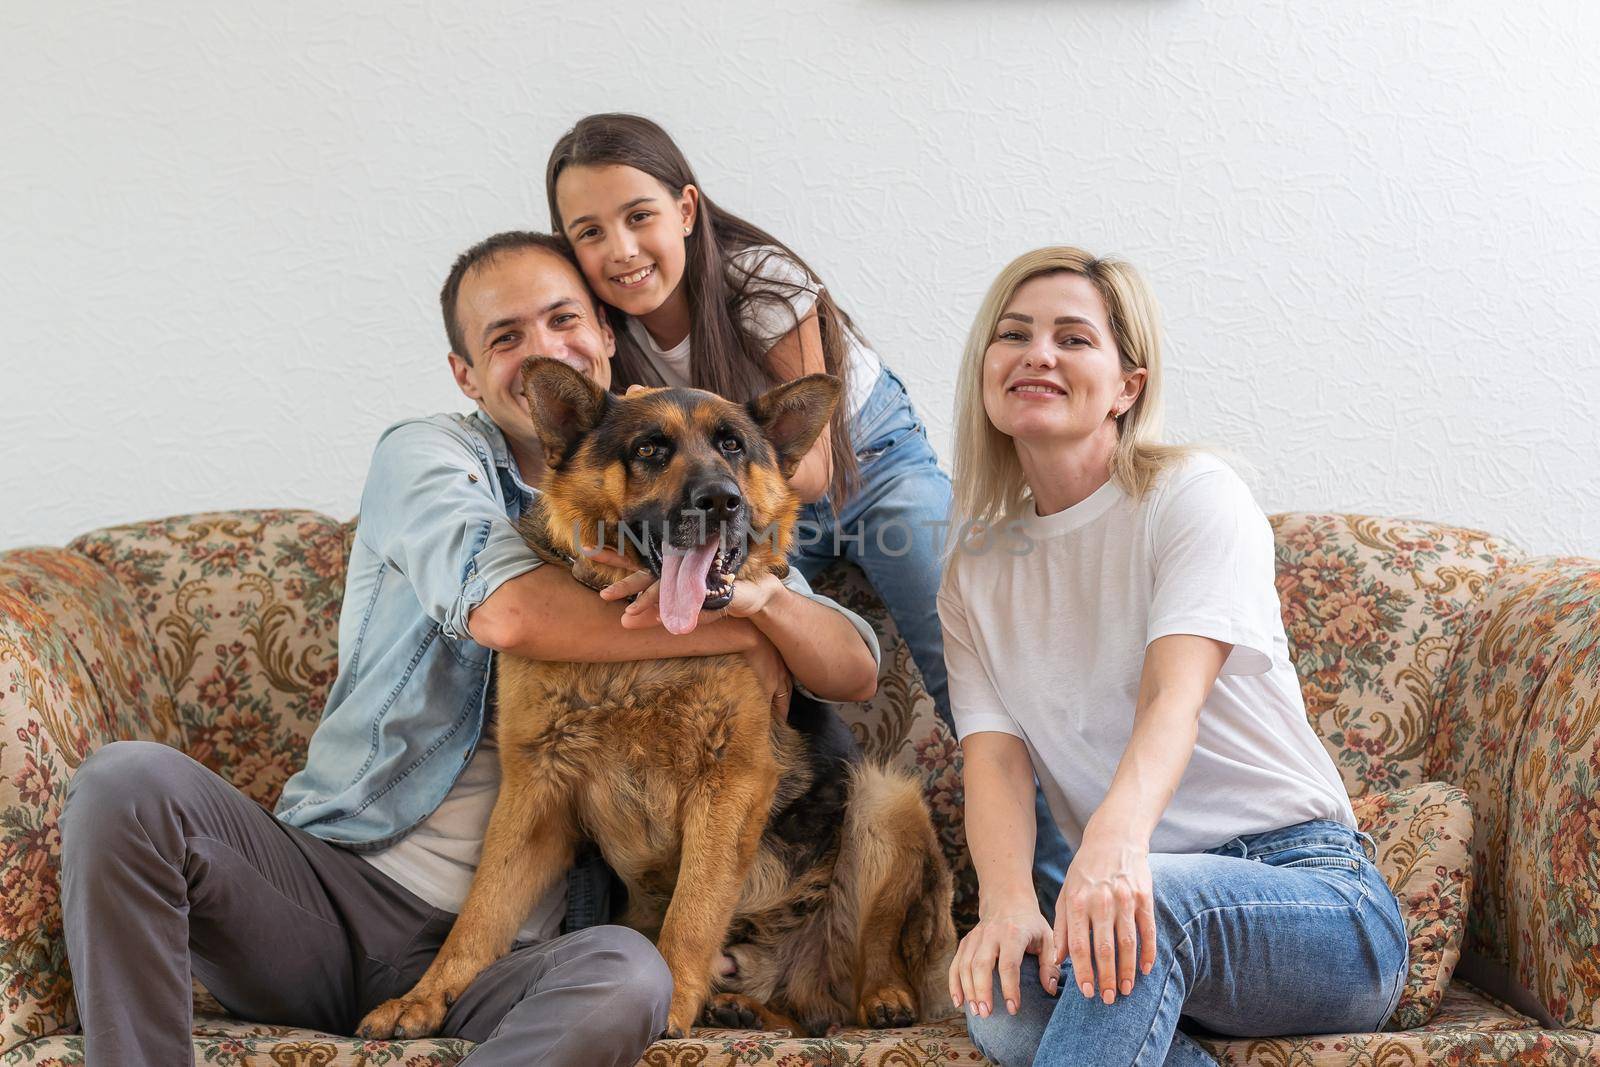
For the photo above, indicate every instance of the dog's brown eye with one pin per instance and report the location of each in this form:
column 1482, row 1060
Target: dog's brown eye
column 732, row 444
column 646, row 451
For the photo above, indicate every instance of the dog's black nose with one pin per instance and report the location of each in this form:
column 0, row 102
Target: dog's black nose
column 718, row 497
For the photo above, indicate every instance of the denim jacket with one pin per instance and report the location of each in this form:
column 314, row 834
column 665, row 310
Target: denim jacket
column 436, row 535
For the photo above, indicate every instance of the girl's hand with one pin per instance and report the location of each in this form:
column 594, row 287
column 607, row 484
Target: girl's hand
column 637, row 582
column 773, row 675
column 1105, row 916
column 750, row 595
column 999, row 941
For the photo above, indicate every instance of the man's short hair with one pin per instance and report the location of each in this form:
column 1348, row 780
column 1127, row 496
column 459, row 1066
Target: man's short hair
column 485, row 251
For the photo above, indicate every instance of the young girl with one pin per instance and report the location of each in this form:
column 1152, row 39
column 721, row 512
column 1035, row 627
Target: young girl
column 701, row 298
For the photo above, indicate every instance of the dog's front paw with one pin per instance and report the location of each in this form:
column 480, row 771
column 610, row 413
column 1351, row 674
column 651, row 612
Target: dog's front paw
column 887, row 1006
column 409, row 1016
column 680, row 1021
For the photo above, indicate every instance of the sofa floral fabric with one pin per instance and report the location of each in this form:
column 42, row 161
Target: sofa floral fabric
column 216, row 633
column 225, row 1042
column 1424, row 837
column 77, row 670
column 1471, row 1029
column 1520, row 730
column 211, row 633
column 1553, row 835
column 244, row 609
column 1372, row 608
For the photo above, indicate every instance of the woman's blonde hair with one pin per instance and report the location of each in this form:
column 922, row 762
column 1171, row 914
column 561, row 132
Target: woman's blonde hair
column 988, row 482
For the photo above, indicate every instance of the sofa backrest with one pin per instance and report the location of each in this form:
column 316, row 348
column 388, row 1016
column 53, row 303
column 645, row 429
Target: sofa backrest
column 243, row 608
column 1374, row 611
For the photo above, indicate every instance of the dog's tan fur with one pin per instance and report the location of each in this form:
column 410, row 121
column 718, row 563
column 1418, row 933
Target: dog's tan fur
column 676, row 768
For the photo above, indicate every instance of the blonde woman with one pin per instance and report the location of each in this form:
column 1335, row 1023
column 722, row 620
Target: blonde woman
column 1116, row 633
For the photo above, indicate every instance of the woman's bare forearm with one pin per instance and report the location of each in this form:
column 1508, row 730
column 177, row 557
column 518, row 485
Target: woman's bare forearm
column 998, row 779
column 1179, row 671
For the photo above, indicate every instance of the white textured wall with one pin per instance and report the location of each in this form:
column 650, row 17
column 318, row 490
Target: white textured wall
column 1374, row 228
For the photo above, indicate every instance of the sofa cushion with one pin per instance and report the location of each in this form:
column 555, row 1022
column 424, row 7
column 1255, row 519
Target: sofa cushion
column 1470, row 1028
column 1423, row 835
column 233, row 1043
column 1372, row 608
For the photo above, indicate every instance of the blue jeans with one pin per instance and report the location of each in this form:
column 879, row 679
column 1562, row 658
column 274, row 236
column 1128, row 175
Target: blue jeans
column 1291, row 931
column 893, row 529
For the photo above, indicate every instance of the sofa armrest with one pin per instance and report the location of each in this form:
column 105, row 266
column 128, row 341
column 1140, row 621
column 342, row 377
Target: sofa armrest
column 1553, row 830
column 77, row 670
column 1519, row 730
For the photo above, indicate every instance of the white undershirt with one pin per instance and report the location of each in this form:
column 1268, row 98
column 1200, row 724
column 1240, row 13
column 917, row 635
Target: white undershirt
column 436, row 861
column 770, row 320
column 1045, row 635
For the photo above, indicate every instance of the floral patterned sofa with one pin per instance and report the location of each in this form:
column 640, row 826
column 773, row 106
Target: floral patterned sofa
column 1456, row 683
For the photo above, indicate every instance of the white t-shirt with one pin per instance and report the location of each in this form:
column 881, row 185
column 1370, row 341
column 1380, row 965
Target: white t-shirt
column 437, row 860
column 791, row 294
column 1045, row 635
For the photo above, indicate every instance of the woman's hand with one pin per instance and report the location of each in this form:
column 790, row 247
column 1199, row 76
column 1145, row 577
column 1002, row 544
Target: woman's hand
column 1105, row 916
column 999, row 940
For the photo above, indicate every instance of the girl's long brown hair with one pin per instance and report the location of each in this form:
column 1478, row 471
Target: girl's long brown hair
column 728, row 358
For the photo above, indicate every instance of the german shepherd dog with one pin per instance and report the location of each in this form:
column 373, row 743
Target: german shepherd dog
column 819, row 874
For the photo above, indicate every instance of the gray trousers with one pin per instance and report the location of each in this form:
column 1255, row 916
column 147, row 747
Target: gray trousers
column 166, row 869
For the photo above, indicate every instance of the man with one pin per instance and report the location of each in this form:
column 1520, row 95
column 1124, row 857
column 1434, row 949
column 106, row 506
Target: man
column 316, row 916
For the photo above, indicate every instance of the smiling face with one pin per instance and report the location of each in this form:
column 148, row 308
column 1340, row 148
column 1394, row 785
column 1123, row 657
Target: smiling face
column 628, row 231
column 1052, row 370
column 515, row 305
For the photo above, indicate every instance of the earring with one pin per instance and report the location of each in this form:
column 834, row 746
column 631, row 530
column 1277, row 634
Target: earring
column 687, row 230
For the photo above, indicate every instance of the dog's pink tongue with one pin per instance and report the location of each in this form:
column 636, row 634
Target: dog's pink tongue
column 683, row 585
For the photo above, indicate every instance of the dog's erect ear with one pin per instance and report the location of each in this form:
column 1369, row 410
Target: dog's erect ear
column 793, row 415
column 564, row 404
